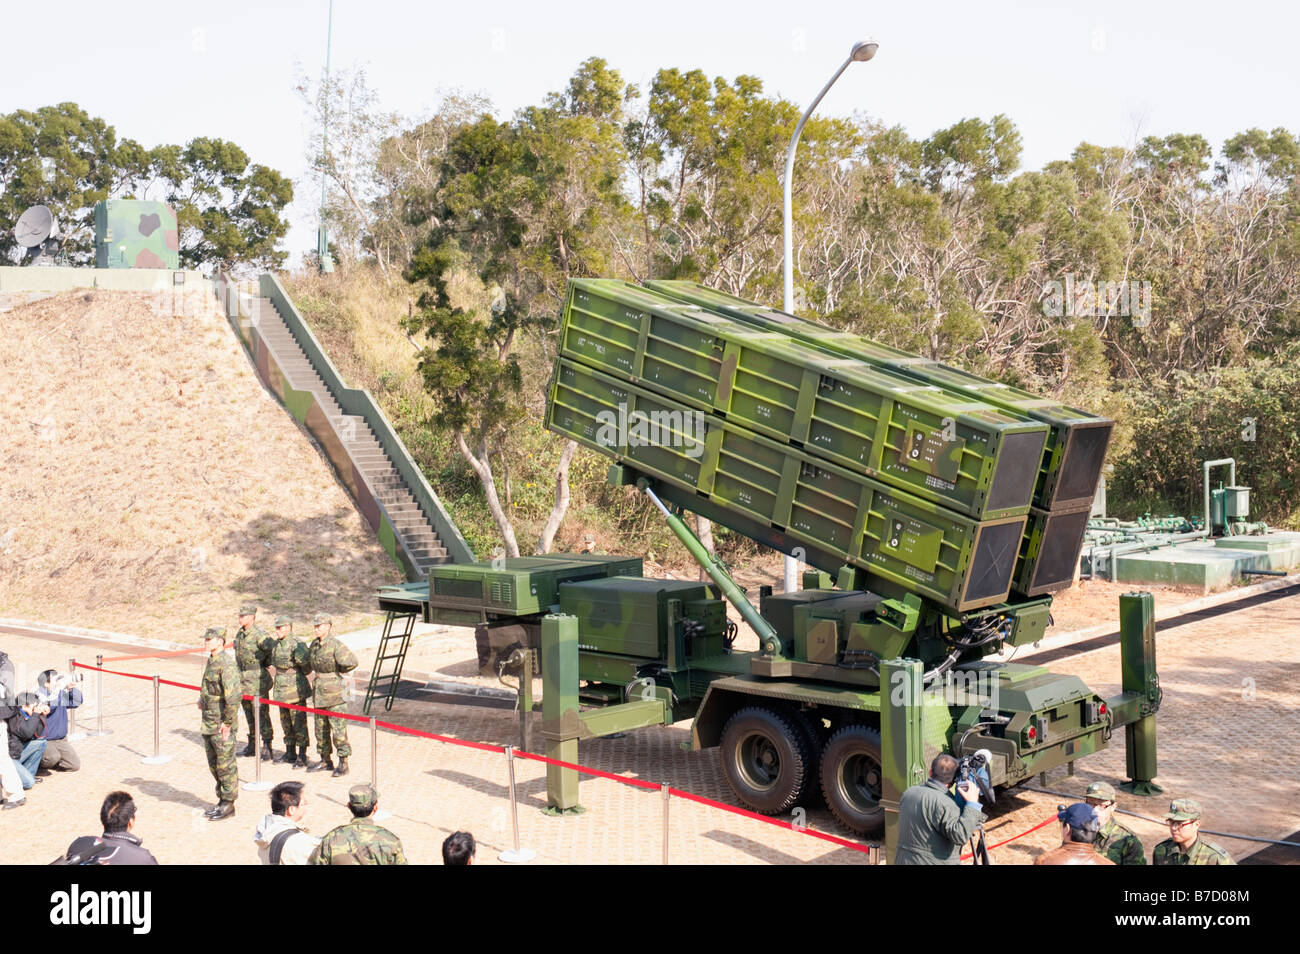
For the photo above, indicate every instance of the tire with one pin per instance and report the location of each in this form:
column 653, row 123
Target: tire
column 767, row 759
column 852, row 776
column 815, row 736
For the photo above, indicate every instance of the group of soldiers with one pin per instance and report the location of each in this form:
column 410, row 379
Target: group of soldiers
column 283, row 668
column 1121, row 846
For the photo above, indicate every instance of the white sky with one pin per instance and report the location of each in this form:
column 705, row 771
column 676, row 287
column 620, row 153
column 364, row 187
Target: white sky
column 1064, row 72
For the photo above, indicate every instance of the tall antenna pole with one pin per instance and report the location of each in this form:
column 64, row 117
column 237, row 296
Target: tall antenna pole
column 322, row 236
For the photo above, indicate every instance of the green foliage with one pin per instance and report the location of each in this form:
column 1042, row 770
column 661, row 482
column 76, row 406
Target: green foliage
column 230, row 211
column 1208, row 416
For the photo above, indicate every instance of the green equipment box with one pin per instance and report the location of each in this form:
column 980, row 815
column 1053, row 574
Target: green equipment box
column 1076, row 447
column 962, row 453
column 630, row 617
column 132, row 233
column 464, row 594
column 838, row 515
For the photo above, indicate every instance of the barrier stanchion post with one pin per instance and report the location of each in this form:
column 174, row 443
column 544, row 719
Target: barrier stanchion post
column 257, row 785
column 374, row 754
column 73, row 734
column 99, row 694
column 515, row 855
column 667, row 801
column 156, row 758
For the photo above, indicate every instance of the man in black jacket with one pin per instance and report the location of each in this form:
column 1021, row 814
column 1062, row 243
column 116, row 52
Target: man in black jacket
column 117, row 846
column 27, row 736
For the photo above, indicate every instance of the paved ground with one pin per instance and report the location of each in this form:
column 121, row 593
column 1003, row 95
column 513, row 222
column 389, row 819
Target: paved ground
column 1227, row 735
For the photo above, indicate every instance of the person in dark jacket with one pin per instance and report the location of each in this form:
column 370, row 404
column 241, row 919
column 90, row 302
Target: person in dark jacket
column 117, row 845
column 59, row 693
column 27, row 736
column 931, row 828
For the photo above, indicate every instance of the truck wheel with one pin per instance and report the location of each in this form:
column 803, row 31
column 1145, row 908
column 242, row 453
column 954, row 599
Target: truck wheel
column 852, row 778
column 766, row 758
column 814, row 735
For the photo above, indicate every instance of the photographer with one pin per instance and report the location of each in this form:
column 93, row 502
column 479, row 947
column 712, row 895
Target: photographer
column 59, row 692
column 27, row 736
column 931, row 828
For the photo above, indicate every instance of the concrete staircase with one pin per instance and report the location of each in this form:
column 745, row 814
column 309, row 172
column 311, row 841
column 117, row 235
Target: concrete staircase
column 413, row 527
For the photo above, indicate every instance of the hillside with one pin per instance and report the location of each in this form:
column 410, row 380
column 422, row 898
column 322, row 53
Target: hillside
column 151, row 484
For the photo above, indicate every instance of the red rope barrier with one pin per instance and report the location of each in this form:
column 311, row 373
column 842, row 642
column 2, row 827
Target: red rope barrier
column 164, row 655
column 1008, row 841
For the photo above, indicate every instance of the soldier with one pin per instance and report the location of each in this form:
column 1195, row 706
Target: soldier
column 289, row 657
column 219, row 703
column 1184, row 846
column 329, row 659
column 253, row 645
column 1114, row 840
column 360, row 841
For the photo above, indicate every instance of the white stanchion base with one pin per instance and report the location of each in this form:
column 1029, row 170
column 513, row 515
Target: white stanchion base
column 257, row 786
column 96, row 735
column 156, row 760
column 512, row 857
column 77, row 737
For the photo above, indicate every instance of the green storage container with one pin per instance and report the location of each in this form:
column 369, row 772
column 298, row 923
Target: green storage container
column 514, row 586
column 955, row 451
column 1076, row 447
column 753, row 483
column 628, row 617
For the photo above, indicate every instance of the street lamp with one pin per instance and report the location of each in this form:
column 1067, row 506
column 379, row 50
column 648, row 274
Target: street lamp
column 862, row 51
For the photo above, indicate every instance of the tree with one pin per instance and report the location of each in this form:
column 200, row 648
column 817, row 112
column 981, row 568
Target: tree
column 229, row 210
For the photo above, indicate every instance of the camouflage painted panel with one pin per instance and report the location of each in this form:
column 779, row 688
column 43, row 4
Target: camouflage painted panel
column 131, row 233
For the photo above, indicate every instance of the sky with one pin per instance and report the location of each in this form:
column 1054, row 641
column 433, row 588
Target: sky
column 1103, row 72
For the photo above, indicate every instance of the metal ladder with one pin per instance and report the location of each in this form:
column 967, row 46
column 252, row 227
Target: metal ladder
column 382, row 655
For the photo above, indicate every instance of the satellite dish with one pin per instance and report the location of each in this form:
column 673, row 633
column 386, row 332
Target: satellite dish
column 34, row 226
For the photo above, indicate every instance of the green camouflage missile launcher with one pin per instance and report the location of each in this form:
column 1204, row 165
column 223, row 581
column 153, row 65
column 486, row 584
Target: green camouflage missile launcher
column 777, row 492
column 131, row 233
column 882, row 661
column 964, row 454
column 1072, row 458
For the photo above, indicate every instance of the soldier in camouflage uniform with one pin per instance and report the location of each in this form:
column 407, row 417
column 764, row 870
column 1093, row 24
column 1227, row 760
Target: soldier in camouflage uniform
column 1185, row 846
column 219, row 696
column 360, row 841
column 253, row 645
column 289, row 657
column 1114, row 840
column 329, row 659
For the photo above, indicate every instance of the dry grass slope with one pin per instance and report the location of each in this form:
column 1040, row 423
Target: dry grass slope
column 150, row 483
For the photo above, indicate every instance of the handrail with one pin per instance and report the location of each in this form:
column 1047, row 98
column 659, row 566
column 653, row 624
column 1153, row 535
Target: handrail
column 359, row 403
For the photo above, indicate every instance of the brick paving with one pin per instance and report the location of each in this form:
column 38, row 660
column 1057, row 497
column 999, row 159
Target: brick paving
column 1227, row 736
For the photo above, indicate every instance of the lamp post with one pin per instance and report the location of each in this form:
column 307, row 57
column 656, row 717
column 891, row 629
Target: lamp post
column 862, row 51
column 326, row 262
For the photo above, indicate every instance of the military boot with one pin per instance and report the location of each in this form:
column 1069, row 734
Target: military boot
column 224, row 809
column 324, row 764
column 301, row 761
column 343, row 767
column 288, row 757
column 267, row 754
column 250, row 749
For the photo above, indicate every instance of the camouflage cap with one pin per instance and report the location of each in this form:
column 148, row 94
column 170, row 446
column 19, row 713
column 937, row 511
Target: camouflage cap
column 1102, row 790
column 320, row 618
column 1183, row 809
column 1080, row 816
column 283, row 621
column 248, row 609
column 215, row 632
column 362, row 797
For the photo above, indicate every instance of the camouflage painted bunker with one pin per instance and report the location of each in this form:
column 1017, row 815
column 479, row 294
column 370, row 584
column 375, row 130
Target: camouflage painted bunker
column 131, row 233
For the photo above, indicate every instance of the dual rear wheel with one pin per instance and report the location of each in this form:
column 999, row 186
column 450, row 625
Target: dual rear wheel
column 773, row 760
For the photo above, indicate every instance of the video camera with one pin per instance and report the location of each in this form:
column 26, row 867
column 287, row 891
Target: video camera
column 975, row 768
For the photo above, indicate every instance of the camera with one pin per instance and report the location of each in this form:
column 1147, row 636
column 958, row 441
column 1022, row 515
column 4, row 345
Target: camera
column 975, row 768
